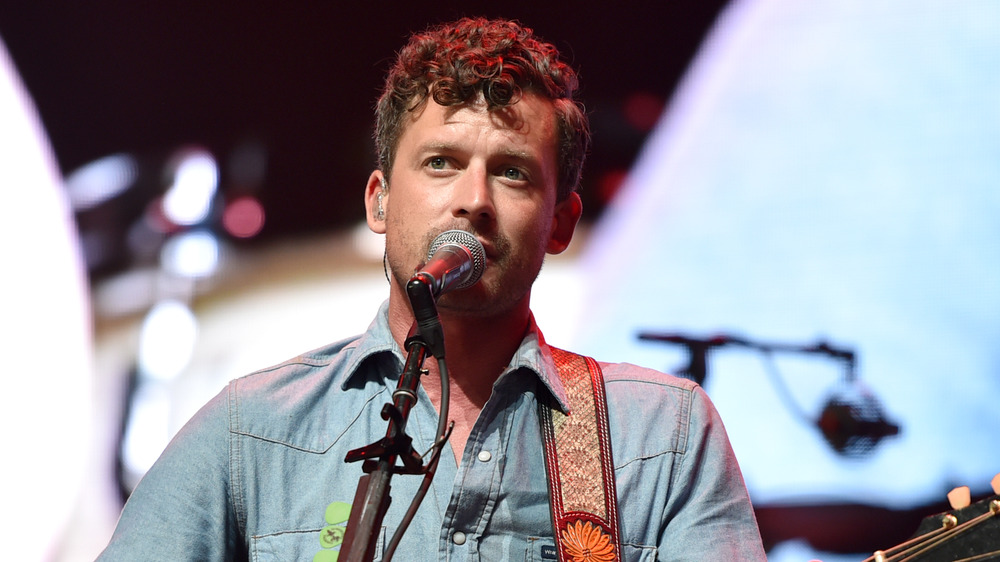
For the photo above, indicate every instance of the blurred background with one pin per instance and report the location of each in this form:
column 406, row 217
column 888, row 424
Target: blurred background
column 793, row 204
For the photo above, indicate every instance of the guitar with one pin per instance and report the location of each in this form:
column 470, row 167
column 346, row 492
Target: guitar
column 968, row 533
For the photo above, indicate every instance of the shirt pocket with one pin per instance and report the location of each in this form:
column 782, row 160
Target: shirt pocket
column 638, row 552
column 544, row 550
column 541, row 550
column 302, row 545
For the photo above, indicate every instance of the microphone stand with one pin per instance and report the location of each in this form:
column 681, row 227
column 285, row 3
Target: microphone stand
column 697, row 368
column 372, row 497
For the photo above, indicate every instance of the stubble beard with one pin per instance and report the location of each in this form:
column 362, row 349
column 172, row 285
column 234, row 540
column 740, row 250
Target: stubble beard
column 505, row 284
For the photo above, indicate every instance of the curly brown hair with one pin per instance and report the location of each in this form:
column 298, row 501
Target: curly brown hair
column 456, row 63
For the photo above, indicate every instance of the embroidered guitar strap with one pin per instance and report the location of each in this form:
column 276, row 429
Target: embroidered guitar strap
column 578, row 461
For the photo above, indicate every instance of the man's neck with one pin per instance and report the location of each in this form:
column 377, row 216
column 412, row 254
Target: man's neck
column 477, row 350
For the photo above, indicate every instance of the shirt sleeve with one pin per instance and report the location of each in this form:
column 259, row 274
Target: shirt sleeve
column 710, row 517
column 183, row 508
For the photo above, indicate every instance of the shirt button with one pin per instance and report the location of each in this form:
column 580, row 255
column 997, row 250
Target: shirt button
column 458, row 538
column 485, row 456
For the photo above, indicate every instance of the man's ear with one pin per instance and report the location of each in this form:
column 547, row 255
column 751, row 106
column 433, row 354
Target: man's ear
column 376, row 202
column 567, row 214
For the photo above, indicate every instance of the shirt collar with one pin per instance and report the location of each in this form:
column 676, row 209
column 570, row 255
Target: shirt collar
column 533, row 354
column 376, row 341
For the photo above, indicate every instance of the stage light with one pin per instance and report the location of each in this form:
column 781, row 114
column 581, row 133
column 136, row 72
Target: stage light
column 188, row 201
column 166, row 340
column 101, row 180
column 243, row 217
column 192, row 254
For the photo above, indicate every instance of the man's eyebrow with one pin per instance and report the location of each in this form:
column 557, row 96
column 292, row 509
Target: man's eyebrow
column 448, row 146
column 437, row 146
column 519, row 155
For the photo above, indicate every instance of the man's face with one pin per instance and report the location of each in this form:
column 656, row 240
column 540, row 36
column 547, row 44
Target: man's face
column 493, row 174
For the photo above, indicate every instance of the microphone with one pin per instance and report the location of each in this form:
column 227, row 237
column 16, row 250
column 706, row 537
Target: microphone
column 455, row 260
column 852, row 421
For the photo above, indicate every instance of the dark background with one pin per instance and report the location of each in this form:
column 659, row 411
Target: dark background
column 299, row 79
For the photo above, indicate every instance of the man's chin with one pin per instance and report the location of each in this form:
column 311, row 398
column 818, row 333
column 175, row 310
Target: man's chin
column 476, row 302
column 464, row 302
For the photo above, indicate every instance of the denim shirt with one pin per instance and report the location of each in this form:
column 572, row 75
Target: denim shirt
column 259, row 473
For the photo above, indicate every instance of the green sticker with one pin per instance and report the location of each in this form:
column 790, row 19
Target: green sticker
column 331, row 536
column 326, row 556
column 338, row 512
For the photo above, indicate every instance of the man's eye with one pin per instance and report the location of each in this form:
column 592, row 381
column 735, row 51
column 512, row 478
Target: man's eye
column 437, row 163
column 513, row 174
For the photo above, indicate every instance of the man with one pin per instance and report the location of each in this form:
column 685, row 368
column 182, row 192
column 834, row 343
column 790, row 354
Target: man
column 477, row 130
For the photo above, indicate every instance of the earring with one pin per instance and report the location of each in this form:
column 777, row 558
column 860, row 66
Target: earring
column 380, row 211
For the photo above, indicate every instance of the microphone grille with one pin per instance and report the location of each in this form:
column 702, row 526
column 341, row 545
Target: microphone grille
column 467, row 241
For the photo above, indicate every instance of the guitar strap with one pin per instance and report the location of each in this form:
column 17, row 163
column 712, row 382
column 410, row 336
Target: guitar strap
column 578, row 461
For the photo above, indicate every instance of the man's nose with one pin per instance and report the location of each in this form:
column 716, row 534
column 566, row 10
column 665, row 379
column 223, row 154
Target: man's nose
column 474, row 196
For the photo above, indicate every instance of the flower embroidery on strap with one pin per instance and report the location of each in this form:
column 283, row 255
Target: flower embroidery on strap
column 585, row 542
